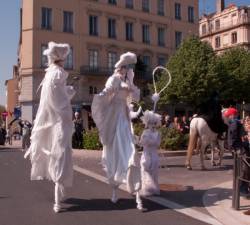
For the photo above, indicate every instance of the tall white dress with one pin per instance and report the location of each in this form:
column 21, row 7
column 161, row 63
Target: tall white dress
column 111, row 114
column 150, row 162
column 50, row 150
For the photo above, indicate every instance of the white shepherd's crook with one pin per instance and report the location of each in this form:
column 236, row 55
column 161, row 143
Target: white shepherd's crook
column 156, row 95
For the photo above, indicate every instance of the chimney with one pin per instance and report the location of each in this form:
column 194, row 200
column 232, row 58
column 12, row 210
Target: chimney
column 220, row 5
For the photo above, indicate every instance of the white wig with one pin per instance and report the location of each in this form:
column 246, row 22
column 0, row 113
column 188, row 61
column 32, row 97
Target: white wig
column 56, row 52
column 151, row 117
column 126, row 59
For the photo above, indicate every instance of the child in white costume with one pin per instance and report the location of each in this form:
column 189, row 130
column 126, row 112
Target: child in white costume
column 110, row 111
column 150, row 140
column 50, row 150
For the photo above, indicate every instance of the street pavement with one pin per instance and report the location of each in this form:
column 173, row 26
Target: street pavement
column 25, row 202
column 200, row 194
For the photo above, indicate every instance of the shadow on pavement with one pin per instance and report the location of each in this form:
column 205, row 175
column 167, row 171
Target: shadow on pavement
column 106, row 205
column 194, row 198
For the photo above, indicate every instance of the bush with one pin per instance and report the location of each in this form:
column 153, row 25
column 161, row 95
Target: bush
column 91, row 140
column 171, row 139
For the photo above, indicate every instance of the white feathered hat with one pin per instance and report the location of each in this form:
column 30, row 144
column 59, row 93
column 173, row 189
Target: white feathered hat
column 126, row 59
column 56, row 52
column 151, row 117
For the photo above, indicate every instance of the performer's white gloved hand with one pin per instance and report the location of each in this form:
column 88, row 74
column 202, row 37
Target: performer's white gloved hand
column 71, row 91
column 155, row 97
column 139, row 111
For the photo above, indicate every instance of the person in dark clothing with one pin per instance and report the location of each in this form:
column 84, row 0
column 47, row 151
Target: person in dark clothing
column 2, row 135
column 78, row 133
column 210, row 111
column 184, row 125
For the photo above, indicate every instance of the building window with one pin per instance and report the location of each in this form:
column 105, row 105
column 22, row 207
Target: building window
column 178, row 38
column 177, row 11
column 67, row 22
column 111, row 28
column 69, row 60
column 234, row 37
column 203, row 29
column 161, row 36
column 92, row 90
column 112, row 58
column 44, row 58
column 129, row 31
column 113, row 2
column 190, row 14
column 146, row 61
column 217, row 24
column 46, row 18
column 93, row 25
column 160, row 6
column 93, row 59
column 162, row 61
column 145, row 34
column 145, row 5
column 129, row 4
column 217, row 42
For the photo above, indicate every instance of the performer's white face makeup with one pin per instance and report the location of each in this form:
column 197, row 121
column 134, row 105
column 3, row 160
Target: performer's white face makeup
column 152, row 125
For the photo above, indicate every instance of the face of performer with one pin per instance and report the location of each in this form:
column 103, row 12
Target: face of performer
column 152, row 125
column 60, row 63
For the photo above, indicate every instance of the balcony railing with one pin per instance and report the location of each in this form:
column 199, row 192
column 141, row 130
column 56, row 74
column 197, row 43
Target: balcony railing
column 96, row 71
column 105, row 71
column 212, row 28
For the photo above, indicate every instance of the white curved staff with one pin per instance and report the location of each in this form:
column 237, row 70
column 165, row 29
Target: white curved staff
column 156, row 95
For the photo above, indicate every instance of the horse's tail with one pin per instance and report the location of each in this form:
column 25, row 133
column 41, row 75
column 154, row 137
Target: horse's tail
column 193, row 137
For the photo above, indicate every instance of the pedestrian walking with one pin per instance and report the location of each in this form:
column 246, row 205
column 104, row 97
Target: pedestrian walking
column 78, row 132
column 51, row 147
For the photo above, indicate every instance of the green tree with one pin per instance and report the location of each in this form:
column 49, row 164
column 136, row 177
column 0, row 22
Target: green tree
column 194, row 73
column 235, row 75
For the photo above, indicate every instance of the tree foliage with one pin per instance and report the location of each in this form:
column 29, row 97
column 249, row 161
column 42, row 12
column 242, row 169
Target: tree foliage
column 2, row 109
column 235, row 75
column 197, row 72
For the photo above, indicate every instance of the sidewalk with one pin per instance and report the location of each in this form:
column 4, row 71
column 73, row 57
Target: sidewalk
column 218, row 201
column 202, row 192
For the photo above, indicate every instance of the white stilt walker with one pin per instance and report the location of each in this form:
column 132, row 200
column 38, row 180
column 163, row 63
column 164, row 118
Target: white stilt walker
column 50, row 151
column 110, row 111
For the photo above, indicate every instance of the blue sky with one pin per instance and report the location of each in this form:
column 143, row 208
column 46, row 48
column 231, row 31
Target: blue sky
column 9, row 23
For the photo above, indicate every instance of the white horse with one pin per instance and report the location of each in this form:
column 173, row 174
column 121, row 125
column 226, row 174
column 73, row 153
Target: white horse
column 200, row 130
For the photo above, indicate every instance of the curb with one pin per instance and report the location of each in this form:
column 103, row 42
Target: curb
column 162, row 153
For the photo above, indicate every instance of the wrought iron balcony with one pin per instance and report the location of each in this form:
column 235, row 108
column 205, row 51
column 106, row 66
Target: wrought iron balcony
column 96, row 71
column 105, row 71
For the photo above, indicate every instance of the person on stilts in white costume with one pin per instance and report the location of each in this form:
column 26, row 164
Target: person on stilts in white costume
column 150, row 140
column 50, row 150
column 111, row 113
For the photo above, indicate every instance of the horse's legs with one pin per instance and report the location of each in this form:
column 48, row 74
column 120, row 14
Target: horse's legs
column 191, row 145
column 221, row 148
column 203, row 147
column 213, row 163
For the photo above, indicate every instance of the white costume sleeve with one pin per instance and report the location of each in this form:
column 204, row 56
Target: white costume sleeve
column 61, row 94
column 102, row 111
